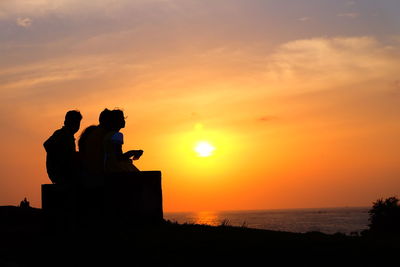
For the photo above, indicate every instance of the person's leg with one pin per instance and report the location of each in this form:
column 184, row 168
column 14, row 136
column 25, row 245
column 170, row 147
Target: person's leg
column 134, row 168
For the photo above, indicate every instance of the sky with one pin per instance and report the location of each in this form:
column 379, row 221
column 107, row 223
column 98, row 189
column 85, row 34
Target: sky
column 300, row 99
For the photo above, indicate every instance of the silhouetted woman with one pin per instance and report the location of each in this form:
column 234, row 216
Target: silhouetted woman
column 114, row 158
column 91, row 146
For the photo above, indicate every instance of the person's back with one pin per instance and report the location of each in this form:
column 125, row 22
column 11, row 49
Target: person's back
column 83, row 138
column 92, row 149
column 93, row 155
column 62, row 162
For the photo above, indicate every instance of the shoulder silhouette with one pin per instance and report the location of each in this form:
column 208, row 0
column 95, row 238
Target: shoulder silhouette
column 62, row 160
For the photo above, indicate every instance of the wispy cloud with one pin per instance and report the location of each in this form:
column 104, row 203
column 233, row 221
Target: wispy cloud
column 304, row 19
column 350, row 15
column 337, row 61
column 267, row 118
column 350, row 3
column 24, row 22
column 396, row 87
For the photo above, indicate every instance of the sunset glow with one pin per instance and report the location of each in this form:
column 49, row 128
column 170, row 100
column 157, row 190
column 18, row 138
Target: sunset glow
column 241, row 104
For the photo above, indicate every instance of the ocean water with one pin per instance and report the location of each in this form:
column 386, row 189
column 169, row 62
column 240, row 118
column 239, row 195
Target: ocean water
column 326, row 220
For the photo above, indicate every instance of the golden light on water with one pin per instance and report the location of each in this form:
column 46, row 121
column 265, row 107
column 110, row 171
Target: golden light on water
column 204, row 149
column 206, row 217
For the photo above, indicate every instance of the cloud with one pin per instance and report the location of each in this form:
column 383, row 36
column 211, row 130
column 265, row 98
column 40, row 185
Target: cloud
column 350, row 3
column 62, row 78
column 342, row 81
column 396, row 88
column 40, row 8
column 350, row 15
column 295, row 67
column 304, row 19
column 24, row 22
column 267, row 118
column 336, row 61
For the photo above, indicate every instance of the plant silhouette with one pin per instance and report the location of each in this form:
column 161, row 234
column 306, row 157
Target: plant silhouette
column 385, row 216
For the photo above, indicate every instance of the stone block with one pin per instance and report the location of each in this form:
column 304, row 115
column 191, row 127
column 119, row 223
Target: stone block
column 131, row 198
column 135, row 196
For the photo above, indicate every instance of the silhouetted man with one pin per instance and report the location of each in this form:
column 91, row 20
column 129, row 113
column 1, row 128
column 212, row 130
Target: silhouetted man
column 62, row 161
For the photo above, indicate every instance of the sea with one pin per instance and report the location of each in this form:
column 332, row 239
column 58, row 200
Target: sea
column 346, row 220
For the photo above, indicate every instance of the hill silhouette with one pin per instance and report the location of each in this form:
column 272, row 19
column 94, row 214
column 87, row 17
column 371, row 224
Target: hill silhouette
column 24, row 242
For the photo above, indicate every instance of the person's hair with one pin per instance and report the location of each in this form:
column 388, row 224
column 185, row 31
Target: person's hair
column 83, row 137
column 72, row 116
column 104, row 117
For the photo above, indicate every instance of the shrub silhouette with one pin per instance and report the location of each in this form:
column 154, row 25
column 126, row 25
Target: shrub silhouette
column 385, row 216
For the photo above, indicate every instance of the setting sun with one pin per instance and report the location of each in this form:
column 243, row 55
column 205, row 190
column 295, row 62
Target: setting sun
column 204, row 149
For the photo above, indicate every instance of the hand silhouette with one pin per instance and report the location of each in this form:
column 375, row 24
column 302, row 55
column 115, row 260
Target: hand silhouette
column 136, row 154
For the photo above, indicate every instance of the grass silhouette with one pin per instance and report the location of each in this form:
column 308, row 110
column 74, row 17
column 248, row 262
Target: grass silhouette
column 24, row 242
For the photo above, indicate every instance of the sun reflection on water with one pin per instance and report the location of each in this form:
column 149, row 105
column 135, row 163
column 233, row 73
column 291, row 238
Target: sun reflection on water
column 206, row 217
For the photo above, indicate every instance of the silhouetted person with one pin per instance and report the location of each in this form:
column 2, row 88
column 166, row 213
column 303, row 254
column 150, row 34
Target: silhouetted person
column 91, row 148
column 62, row 159
column 24, row 204
column 114, row 159
column 84, row 136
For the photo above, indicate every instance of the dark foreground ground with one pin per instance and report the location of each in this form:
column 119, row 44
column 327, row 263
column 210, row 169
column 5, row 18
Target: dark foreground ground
column 24, row 241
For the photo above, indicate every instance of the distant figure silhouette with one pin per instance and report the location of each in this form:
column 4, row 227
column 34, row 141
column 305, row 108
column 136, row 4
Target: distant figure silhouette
column 62, row 159
column 114, row 159
column 24, row 204
column 91, row 148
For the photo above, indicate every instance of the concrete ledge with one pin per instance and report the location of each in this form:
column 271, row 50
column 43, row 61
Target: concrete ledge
column 59, row 207
column 132, row 198
column 135, row 196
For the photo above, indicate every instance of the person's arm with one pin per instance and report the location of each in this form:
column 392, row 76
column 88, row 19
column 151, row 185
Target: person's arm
column 133, row 153
column 50, row 144
column 118, row 151
column 118, row 140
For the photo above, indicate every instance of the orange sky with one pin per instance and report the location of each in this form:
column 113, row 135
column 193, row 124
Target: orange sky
column 301, row 101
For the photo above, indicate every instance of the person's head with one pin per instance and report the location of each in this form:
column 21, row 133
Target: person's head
column 104, row 118
column 73, row 120
column 117, row 120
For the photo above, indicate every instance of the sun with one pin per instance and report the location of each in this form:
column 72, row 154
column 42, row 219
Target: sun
column 204, row 149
